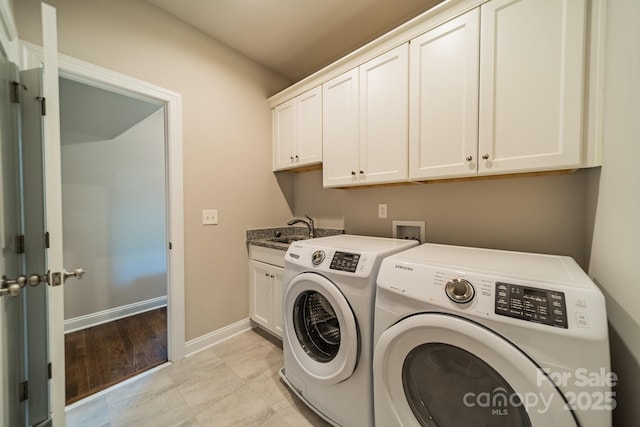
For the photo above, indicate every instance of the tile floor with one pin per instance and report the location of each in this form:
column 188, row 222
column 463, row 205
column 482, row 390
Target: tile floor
column 234, row 383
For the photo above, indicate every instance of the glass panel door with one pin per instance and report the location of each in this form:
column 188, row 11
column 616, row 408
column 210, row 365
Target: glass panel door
column 12, row 406
column 33, row 196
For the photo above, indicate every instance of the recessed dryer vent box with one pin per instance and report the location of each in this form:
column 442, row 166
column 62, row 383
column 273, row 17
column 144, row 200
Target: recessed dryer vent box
column 411, row 230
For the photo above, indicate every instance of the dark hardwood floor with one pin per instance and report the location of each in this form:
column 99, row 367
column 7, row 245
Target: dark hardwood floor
column 104, row 355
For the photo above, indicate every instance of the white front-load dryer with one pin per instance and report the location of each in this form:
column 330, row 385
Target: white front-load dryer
column 329, row 294
column 478, row 337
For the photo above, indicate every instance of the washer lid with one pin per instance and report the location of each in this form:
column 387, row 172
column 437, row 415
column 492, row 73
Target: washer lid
column 349, row 242
column 440, row 370
column 541, row 267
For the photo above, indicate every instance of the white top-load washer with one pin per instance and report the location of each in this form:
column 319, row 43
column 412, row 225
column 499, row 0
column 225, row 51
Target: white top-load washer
column 470, row 337
column 329, row 294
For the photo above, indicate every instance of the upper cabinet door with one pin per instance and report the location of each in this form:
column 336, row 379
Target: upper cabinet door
column 284, row 135
column 531, row 83
column 309, row 127
column 340, row 107
column 443, row 123
column 297, row 131
column 384, row 117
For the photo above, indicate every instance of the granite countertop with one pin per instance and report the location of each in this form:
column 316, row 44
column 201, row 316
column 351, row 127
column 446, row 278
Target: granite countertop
column 266, row 237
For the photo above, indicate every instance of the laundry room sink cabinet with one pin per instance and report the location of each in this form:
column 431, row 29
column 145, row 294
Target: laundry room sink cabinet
column 266, row 267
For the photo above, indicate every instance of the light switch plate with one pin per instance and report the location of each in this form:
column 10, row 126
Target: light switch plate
column 210, row 217
column 382, row 210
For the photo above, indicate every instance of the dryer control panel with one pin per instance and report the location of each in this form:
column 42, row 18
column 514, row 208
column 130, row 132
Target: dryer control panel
column 532, row 304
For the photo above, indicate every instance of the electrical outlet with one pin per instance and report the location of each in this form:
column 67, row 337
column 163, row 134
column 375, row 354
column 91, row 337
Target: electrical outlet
column 210, row 217
column 382, row 210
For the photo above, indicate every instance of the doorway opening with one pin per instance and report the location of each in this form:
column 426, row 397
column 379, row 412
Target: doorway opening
column 115, row 225
column 114, row 199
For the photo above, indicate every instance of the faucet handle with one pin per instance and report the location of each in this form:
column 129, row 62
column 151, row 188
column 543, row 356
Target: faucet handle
column 312, row 227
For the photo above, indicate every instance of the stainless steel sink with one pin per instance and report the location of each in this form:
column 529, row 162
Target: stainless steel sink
column 285, row 239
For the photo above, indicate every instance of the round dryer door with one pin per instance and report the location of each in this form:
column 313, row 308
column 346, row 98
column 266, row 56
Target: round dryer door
column 441, row 370
column 320, row 328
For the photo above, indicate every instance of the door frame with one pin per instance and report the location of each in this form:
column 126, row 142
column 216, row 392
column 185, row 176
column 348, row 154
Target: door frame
column 80, row 71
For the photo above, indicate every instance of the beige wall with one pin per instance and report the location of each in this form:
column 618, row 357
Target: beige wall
column 227, row 135
column 536, row 214
column 615, row 254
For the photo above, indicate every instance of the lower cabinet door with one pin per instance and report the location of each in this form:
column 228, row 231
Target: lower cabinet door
column 278, row 285
column 261, row 306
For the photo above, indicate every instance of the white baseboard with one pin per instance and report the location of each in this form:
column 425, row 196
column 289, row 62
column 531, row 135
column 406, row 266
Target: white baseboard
column 205, row 341
column 95, row 319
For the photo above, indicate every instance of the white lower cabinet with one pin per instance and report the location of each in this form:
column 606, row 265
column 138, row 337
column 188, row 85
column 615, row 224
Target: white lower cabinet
column 266, row 269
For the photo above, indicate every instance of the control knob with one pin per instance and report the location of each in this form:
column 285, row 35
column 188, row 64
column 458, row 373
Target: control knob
column 317, row 257
column 460, row 290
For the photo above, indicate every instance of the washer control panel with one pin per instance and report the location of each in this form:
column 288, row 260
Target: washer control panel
column 345, row 261
column 532, row 304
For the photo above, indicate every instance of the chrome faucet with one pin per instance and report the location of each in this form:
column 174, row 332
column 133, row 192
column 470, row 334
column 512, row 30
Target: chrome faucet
column 310, row 225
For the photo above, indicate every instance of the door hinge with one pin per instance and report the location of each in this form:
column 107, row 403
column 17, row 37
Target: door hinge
column 46, row 240
column 49, row 370
column 43, row 105
column 23, row 391
column 20, row 243
column 15, row 91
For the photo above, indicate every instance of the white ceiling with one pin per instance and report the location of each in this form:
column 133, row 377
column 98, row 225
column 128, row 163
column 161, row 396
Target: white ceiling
column 294, row 37
column 90, row 114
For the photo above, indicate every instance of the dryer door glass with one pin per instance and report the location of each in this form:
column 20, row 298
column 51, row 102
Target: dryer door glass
column 317, row 327
column 448, row 386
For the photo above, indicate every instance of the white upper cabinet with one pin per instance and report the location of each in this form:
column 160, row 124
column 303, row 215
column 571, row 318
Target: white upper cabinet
column 531, row 85
column 384, row 117
column 340, row 111
column 365, row 123
column 474, row 88
column 443, row 131
column 284, row 135
column 297, row 131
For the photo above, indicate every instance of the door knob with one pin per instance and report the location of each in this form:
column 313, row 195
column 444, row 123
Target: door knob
column 77, row 273
column 13, row 286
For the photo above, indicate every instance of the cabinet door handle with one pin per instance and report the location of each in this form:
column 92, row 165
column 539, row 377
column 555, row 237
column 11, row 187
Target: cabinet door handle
column 297, row 158
column 266, row 274
column 485, row 156
column 272, row 276
column 469, row 158
column 353, row 172
column 361, row 172
column 291, row 157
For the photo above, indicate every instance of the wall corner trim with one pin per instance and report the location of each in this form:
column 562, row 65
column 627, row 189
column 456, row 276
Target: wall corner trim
column 212, row 338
